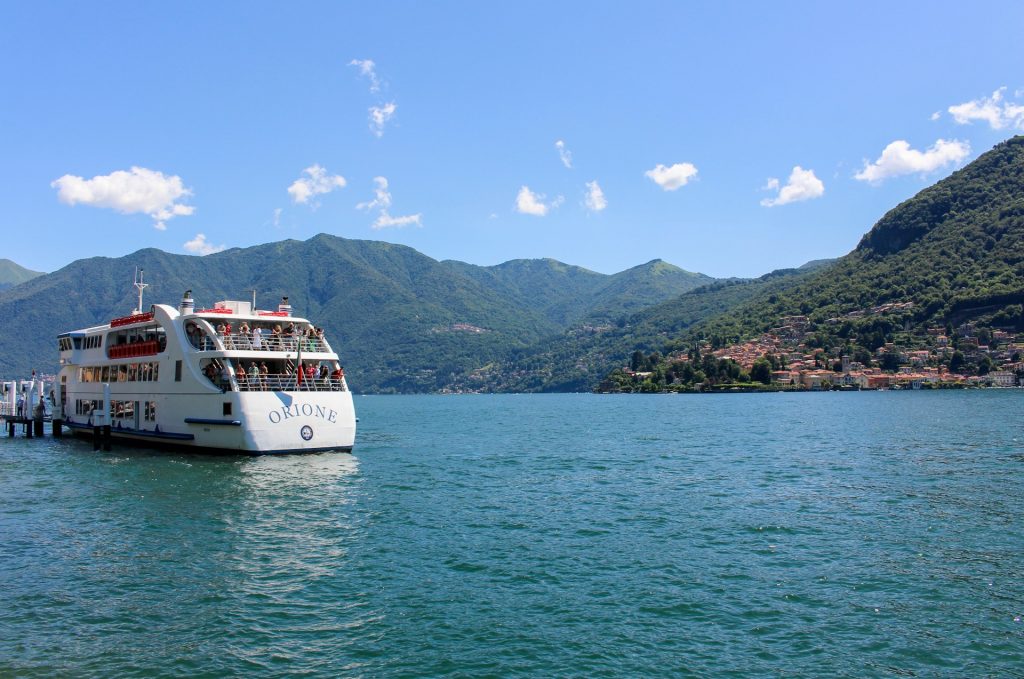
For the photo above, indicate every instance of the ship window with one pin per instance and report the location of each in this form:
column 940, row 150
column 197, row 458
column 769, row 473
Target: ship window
column 150, row 411
column 105, row 374
column 77, row 341
column 227, row 408
column 156, row 372
column 177, row 371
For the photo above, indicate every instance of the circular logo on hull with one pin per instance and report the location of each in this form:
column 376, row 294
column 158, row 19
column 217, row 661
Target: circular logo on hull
column 307, row 433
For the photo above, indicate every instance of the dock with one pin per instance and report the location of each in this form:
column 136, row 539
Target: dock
column 24, row 404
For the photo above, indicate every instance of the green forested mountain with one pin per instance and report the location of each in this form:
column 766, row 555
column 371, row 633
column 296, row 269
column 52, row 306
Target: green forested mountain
column 12, row 274
column 952, row 253
column 568, row 294
column 577, row 358
column 402, row 321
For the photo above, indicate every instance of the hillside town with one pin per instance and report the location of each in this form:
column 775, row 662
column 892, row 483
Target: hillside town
column 967, row 357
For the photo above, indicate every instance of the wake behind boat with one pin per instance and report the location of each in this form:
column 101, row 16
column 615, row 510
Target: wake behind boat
column 229, row 378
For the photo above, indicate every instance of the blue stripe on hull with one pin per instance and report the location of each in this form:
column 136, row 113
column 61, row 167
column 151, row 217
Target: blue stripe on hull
column 166, row 439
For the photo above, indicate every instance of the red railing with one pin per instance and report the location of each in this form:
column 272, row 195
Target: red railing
column 218, row 310
column 134, row 350
column 283, row 314
column 128, row 320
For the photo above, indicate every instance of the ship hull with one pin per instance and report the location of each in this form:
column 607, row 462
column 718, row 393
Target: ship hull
column 266, row 423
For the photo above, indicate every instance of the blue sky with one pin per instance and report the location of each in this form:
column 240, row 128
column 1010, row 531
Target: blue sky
column 726, row 138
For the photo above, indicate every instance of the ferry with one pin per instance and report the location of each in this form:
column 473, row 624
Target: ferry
column 229, row 378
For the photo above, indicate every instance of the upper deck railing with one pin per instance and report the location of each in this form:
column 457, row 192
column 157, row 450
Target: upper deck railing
column 268, row 342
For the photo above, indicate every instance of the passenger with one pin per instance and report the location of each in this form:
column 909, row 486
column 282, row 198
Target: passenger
column 257, row 338
column 324, row 372
column 264, row 373
column 243, row 341
column 221, row 329
column 254, row 374
column 240, row 375
column 276, row 337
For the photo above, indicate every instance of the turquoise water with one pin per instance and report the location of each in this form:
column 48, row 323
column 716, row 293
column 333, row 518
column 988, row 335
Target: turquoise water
column 798, row 535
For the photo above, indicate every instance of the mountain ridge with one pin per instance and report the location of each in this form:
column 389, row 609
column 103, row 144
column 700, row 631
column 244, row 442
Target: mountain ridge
column 404, row 322
column 12, row 274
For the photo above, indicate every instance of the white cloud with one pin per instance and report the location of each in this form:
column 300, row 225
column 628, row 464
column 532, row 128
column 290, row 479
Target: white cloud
column 200, row 246
column 899, row 159
column 595, row 200
column 564, row 153
column 530, row 203
column 671, row 178
column 317, row 183
column 382, row 201
column 368, row 69
column 802, row 185
column 277, row 217
column 384, row 220
column 382, row 197
column 379, row 115
column 136, row 191
column 935, row 116
column 993, row 110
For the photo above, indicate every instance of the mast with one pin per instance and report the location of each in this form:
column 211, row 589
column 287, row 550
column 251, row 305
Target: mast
column 141, row 286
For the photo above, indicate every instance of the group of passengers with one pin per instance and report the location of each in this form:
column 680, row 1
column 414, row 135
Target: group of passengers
column 258, row 376
column 271, row 337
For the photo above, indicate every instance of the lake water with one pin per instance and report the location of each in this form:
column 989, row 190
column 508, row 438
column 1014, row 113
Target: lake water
column 798, row 535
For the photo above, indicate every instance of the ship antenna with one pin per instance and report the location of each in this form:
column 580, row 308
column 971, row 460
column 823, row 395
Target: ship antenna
column 140, row 285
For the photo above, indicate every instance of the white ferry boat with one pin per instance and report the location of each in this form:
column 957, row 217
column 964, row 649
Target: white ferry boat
column 229, row 378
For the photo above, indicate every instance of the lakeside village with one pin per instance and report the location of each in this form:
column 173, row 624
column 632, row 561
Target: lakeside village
column 791, row 358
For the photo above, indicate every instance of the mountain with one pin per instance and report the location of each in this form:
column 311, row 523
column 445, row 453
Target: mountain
column 577, row 358
column 951, row 255
column 403, row 322
column 561, row 292
column 568, row 294
column 12, row 274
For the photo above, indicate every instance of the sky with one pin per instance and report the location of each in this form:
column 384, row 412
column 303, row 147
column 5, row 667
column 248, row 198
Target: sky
column 726, row 138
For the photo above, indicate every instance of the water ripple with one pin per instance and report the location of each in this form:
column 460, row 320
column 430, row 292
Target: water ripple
column 874, row 534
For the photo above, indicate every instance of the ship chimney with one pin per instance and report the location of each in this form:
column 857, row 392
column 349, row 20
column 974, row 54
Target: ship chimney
column 187, row 305
column 285, row 306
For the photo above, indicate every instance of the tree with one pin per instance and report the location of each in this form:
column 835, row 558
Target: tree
column 638, row 362
column 761, row 371
column 891, row 361
column 956, row 363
